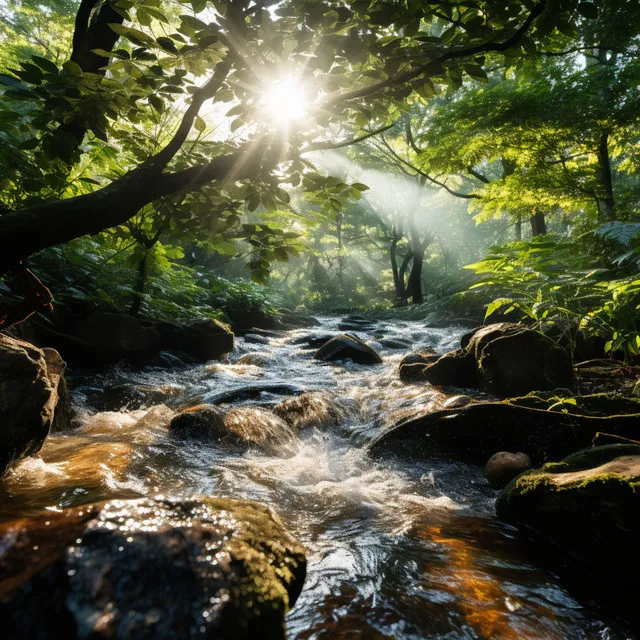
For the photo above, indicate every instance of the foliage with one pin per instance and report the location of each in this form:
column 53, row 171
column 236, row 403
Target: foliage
column 556, row 285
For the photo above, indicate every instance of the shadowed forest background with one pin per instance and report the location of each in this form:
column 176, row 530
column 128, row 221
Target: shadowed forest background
column 508, row 175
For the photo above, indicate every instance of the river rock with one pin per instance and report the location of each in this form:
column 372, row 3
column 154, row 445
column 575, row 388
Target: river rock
column 504, row 466
column 310, row 409
column 30, row 380
column 347, row 347
column 237, row 428
column 148, row 569
column 128, row 395
column 506, row 359
column 412, row 366
column 512, row 361
column 312, row 341
column 94, row 338
column 253, row 391
column 456, row 369
column 257, row 359
column 588, row 505
column 475, row 432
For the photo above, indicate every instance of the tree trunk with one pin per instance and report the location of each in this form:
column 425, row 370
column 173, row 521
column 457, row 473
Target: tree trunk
column 606, row 202
column 138, row 288
column 414, row 285
column 402, row 289
column 538, row 224
column 398, row 280
column 518, row 229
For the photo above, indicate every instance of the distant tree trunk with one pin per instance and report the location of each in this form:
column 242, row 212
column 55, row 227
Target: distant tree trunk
column 138, row 287
column 606, row 203
column 402, row 272
column 400, row 293
column 414, row 285
column 518, row 229
column 538, row 224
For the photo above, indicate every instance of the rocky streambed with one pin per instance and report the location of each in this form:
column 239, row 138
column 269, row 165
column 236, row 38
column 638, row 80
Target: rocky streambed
column 212, row 499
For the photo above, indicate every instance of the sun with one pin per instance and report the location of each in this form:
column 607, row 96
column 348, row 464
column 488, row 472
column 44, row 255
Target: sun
column 286, row 100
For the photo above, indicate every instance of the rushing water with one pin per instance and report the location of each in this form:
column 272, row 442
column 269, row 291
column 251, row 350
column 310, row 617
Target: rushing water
column 395, row 550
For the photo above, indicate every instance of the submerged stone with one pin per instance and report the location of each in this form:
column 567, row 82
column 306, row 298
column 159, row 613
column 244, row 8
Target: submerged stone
column 151, row 569
column 347, row 347
column 236, row 428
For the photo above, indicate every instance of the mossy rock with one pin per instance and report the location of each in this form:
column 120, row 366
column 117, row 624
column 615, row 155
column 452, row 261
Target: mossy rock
column 595, row 404
column 588, row 504
column 203, row 567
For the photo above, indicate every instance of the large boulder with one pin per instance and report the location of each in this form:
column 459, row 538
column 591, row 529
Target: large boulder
column 347, row 347
column 96, row 339
column 236, row 428
column 473, row 433
column 512, row 360
column 196, row 568
column 587, row 508
column 31, row 381
column 506, row 359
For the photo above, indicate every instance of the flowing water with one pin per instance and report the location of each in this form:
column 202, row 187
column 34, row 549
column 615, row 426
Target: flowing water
column 395, row 550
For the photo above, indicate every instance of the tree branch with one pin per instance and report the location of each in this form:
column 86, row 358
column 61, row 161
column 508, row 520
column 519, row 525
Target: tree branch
column 325, row 146
column 435, row 65
column 399, row 158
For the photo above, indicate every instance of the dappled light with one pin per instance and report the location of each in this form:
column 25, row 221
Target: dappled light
column 319, row 319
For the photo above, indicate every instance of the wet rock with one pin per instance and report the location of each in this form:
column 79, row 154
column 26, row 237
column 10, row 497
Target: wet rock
column 588, row 505
column 413, row 372
column 237, row 428
column 455, row 402
column 504, row 466
column 392, row 343
column 202, row 421
column 254, row 338
column 97, row 339
column 475, row 432
column 427, row 355
column 201, row 567
column 506, row 359
column 290, row 320
column 456, row 369
column 30, row 389
column 243, row 318
column 63, row 413
column 257, row 359
column 347, row 347
column 314, row 341
column 309, row 410
column 253, row 391
column 128, row 396
column 513, row 361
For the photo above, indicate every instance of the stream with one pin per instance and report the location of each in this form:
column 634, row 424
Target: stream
column 395, row 550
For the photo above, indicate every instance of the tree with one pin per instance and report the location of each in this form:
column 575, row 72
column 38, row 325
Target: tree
column 369, row 59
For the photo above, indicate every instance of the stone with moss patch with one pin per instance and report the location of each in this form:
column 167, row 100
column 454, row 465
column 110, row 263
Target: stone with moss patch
column 202, row 567
column 588, row 504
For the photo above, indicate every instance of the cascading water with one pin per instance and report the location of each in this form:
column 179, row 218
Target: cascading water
column 395, row 550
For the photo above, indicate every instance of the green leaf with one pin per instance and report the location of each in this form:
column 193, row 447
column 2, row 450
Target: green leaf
column 45, row 64
column 198, row 5
column 199, row 124
column 72, row 68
